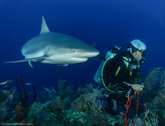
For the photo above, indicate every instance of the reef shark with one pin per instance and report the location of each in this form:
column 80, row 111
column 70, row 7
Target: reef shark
column 55, row 48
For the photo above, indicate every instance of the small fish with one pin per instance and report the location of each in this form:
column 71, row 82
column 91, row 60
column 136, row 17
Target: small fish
column 50, row 89
column 28, row 84
column 46, row 89
column 5, row 83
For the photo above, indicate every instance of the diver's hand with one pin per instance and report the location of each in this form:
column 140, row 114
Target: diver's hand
column 137, row 87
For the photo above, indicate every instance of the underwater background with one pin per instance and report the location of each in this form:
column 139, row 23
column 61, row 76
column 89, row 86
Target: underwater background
column 103, row 23
column 100, row 22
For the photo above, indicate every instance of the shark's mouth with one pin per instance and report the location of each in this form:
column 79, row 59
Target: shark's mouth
column 78, row 59
column 88, row 55
column 71, row 60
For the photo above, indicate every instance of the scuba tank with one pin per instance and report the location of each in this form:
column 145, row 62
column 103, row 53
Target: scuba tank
column 98, row 77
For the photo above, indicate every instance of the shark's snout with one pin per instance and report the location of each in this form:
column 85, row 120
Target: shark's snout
column 90, row 54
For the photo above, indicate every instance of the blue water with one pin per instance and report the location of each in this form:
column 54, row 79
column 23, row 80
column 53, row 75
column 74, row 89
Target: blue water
column 104, row 22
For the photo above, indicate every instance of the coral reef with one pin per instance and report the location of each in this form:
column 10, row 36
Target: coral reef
column 88, row 100
column 152, row 79
column 153, row 120
column 159, row 101
column 63, row 92
column 154, row 96
column 2, row 111
column 62, row 107
column 20, row 113
column 79, row 117
column 5, row 83
column 155, row 89
column 4, row 97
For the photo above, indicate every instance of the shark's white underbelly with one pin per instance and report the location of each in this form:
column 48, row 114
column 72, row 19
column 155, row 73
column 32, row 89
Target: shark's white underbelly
column 64, row 60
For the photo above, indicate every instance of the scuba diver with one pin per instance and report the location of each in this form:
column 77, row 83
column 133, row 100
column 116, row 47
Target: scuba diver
column 120, row 72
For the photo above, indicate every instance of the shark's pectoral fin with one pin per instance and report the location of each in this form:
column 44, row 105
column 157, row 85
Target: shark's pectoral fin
column 31, row 64
column 62, row 64
column 17, row 61
column 29, row 60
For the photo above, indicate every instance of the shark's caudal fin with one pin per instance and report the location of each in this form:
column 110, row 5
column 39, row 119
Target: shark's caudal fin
column 44, row 27
column 28, row 60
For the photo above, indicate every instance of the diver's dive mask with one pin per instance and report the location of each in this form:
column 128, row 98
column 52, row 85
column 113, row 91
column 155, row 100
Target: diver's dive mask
column 142, row 51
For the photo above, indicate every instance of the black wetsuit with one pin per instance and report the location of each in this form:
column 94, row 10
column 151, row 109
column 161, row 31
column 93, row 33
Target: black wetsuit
column 122, row 68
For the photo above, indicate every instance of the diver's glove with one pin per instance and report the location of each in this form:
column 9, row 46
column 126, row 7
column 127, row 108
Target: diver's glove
column 137, row 87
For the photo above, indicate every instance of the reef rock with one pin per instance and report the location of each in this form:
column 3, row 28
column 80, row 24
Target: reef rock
column 4, row 97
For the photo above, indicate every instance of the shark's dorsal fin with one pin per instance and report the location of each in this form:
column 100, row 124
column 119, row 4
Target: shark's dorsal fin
column 44, row 27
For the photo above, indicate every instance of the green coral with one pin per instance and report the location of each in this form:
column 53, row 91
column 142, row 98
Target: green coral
column 63, row 92
column 78, row 117
column 162, row 79
column 154, row 93
column 85, row 108
column 89, row 100
column 152, row 79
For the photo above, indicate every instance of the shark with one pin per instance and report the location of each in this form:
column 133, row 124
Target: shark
column 55, row 48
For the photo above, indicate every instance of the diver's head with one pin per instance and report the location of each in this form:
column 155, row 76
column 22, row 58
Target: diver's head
column 137, row 48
